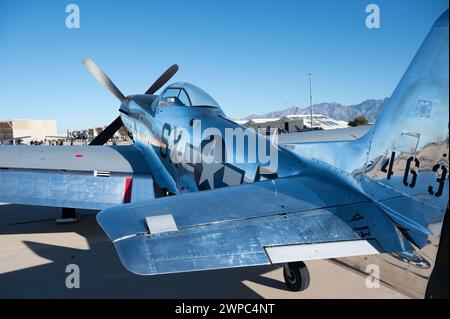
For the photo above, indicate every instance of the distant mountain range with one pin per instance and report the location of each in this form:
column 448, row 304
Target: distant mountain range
column 369, row 108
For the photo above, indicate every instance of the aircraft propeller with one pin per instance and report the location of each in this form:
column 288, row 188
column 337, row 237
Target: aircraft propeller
column 163, row 79
column 103, row 78
column 112, row 128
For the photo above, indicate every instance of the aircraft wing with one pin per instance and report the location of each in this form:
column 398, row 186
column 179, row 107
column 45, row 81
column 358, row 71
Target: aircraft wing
column 274, row 221
column 91, row 177
column 333, row 135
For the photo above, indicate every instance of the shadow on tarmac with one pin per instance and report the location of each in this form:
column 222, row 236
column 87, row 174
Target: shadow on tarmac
column 101, row 273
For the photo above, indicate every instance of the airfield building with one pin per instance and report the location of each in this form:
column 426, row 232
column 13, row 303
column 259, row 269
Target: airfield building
column 294, row 123
column 26, row 130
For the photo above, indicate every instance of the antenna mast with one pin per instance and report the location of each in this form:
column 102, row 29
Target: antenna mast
column 310, row 98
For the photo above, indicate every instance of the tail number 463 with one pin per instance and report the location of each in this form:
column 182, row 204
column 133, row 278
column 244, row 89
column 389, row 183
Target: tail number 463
column 410, row 176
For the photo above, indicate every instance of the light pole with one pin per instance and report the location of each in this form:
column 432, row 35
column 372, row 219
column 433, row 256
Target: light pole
column 310, row 97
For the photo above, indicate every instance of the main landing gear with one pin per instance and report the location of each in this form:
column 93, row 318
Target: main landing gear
column 67, row 216
column 296, row 276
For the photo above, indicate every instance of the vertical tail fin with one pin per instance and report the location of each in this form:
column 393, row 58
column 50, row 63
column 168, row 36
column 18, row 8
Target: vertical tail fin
column 409, row 151
column 402, row 163
column 419, row 105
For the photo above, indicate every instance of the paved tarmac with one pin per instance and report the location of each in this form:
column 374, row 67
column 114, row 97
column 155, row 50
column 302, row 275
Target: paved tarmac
column 35, row 251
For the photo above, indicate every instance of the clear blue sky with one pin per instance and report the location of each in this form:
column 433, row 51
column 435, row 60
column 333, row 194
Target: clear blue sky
column 251, row 56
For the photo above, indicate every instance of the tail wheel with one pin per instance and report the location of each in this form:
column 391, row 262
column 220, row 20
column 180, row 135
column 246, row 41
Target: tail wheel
column 296, row 276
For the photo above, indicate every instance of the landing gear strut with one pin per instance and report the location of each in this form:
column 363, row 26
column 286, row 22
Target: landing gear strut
column 67, row 215
column 296, row 276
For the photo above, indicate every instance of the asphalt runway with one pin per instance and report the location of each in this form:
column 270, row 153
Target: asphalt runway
column 35, row 251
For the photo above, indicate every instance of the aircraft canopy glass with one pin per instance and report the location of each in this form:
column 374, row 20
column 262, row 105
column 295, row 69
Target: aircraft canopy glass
column 186, row 94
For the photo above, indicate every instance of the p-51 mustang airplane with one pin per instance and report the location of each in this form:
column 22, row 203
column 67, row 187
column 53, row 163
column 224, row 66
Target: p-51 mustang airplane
column 183, row 198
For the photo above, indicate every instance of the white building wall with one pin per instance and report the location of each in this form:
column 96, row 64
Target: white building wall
column 36, row 129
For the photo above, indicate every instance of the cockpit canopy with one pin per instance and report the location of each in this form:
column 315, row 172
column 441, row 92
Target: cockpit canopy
column 186, row 94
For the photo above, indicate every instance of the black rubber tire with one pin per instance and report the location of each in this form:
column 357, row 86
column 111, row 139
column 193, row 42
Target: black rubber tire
column 298, row 277
column 68, row 212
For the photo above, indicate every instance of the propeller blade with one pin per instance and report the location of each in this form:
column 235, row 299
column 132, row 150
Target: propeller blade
column 163, row 79
column 102, row 78
column 108, row 132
